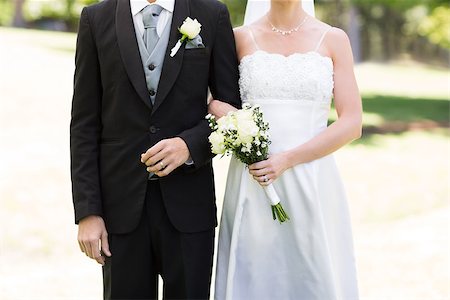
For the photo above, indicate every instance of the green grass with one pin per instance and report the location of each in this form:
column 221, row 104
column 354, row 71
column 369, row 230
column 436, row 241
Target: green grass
column 382, row 109
column 390, row 114
column 407, row 109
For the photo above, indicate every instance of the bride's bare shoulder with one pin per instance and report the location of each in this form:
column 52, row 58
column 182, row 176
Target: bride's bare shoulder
column 246, row 37
column 338, row 43
column 337, row 35
column 244, row 32
column 334, row 39
column 241, row 33
column 242, row 37
column 334, row 33
column 244, row 43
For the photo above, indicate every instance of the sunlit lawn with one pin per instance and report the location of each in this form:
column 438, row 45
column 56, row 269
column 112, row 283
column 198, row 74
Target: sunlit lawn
column 397, row 177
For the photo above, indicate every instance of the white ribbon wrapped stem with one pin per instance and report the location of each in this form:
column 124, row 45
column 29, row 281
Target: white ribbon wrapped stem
column 272, row 194
column 175, row 49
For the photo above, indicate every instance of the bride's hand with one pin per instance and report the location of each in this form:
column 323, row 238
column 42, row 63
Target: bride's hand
column 219, row 108
column 267, row 171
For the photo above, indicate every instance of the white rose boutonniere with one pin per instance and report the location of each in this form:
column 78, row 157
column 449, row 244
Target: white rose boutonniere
column 189, row 30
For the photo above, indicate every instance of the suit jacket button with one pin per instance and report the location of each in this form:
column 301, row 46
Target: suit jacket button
column 153, row 129
column 152, row 93
column 151, row 67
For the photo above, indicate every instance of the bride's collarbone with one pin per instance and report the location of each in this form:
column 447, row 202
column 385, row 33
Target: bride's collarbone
column 304, row 41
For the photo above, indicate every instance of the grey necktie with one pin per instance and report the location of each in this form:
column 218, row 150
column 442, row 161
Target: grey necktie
column 150, row 16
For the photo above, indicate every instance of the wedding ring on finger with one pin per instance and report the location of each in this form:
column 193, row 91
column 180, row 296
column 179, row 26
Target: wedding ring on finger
column 162, row 165
column 265, row 179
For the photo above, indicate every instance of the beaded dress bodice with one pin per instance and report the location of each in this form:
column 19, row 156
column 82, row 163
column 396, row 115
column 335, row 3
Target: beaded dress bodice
column 300, row 76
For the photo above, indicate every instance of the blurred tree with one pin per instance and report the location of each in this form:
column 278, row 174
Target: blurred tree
column 18, row 19
column 237, row 10
column 339, row 9
column 354, row 32
column 436, row 26
column 6, row 12
column 378, row 29
column 70, row 16
column 52, row 14
column 382, row 29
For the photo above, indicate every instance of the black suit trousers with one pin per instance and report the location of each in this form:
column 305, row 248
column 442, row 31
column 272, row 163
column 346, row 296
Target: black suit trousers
column 184, row 260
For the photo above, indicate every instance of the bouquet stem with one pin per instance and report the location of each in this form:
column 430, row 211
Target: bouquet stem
column 277, row 209
column 279, row 213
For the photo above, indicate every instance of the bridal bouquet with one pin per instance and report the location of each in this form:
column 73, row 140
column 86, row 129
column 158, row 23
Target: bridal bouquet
column 244, row 134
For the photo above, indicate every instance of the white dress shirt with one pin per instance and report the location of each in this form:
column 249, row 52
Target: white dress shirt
column 136, row 10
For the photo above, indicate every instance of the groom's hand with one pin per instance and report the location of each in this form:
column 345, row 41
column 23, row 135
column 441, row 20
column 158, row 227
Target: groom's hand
column 166, row 156
column 93, row 238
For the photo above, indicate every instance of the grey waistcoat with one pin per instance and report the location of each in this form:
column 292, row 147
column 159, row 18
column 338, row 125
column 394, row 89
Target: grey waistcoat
column 153, row 62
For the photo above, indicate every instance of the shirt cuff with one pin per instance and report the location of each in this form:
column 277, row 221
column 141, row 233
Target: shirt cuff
column 189, row 162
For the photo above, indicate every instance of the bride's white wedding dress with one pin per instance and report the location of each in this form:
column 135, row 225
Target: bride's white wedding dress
column 309, row 257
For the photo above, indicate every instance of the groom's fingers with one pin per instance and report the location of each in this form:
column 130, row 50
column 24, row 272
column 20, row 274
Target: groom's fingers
column 163, row 163
column 84, row 248
column 166, row 156
column 105, row 244
column 153, row 151
column 81, row 246
column 153, row 161
column 154, row 158
column 95, row 252
column 167, row 170
column 91, row 249
column 97, row 255
column 91, row 232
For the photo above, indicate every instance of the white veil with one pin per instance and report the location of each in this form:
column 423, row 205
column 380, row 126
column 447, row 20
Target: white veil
column 258, row 8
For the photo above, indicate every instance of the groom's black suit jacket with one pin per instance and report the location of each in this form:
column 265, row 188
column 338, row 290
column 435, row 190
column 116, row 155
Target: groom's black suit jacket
column 113, row 120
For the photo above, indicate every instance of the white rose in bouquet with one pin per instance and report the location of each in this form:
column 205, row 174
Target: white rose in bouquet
column 217, row 141
column 247, row 131
column 227, row 122
column 243, row 115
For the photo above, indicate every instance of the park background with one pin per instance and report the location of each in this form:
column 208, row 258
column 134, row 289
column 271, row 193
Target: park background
column 397, row 174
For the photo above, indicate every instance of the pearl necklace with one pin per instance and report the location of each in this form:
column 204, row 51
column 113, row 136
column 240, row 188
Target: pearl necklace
column 287, row 32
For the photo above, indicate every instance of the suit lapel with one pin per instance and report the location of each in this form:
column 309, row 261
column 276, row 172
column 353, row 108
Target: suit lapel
column 126, row 39
column 172, row 65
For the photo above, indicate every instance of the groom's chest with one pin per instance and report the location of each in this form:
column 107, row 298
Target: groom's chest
column 110, row 52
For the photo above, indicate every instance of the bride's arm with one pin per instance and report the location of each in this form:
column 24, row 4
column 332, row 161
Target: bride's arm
column 348, row 126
